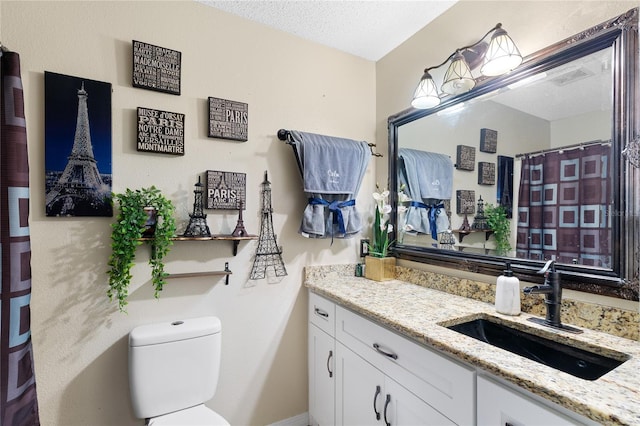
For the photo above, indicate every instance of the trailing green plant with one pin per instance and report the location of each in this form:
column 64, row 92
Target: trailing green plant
column 126, row 235
column 501, row 227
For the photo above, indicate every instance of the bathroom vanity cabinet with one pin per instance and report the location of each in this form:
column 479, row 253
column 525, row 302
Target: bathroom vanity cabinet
column 361, row 373
column 374, row 376
column 322, row 347
column 499, row 405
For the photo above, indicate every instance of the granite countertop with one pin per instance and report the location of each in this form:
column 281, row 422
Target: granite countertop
column 419, row 313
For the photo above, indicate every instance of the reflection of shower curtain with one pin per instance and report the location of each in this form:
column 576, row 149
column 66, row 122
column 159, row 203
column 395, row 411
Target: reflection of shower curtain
column 563, row 208
column 19, row 404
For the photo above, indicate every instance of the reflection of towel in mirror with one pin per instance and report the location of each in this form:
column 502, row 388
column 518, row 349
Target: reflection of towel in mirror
column 428, row 179
column 332, row 169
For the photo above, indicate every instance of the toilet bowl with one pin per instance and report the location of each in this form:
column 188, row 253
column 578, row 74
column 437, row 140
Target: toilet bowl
column 173, row 371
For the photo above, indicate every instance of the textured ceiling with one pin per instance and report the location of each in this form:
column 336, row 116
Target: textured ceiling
column 368, row 29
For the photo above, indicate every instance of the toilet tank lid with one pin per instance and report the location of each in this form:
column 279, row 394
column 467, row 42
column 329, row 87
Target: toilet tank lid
column 171, row 331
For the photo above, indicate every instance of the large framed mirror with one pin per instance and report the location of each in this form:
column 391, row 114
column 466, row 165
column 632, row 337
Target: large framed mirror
column 567, row 112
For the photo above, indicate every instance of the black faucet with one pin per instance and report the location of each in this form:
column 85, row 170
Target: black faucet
column 552, row 290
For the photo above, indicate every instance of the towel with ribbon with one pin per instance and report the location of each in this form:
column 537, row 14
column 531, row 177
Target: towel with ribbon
column 332, row 171
column 428, row 180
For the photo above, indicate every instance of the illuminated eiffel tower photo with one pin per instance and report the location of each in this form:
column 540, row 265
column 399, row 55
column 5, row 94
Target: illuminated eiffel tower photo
column 77, row 146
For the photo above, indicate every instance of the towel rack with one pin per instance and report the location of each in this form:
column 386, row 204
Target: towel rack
column 226, row 272
column 285, row 135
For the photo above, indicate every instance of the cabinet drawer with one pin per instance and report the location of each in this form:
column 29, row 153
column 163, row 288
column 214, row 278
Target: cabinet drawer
column 498, row 405
column 322, row 313
column 441, row 382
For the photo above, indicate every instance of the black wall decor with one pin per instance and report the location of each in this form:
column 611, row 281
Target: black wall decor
column 465, row 157
column 228, row 119
column 156, row 68
column 465, row 201
column 226, row 190
column 486, row 173
column 488, row 140
column 160, row 131
column 504, row 193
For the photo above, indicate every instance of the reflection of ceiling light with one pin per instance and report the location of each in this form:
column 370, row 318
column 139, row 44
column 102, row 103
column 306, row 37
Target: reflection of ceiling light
column 499, row 57
column 528, row 80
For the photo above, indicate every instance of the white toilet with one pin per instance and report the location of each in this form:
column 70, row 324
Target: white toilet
column 173, row 371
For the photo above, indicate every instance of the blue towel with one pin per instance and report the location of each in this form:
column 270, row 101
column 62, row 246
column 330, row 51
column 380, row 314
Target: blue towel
column 428, row 179
column 429, row 175
column 331, row 165
column 332, row 170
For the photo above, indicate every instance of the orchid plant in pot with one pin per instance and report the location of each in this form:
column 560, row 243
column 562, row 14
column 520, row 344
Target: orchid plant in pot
column 378, row 265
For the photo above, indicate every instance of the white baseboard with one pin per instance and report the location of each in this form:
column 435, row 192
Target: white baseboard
column 299, row 420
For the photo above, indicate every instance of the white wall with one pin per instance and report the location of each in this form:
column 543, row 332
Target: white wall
column 80, row 340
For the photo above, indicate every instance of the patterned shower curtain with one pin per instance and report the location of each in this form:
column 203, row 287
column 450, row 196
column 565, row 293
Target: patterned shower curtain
column 18, row 401
column 564, row 206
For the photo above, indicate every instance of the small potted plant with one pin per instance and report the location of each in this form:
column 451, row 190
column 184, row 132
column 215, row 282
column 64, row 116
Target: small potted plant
column 501, row 227
column 138, row 210
column 378, row 265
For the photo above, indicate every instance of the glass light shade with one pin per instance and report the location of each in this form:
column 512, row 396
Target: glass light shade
column 426, row 94
column 502, row 55
column 458, row 78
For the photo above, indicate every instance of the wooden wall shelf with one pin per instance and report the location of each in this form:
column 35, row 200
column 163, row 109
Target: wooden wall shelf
column 219, row 237
column 463, row 234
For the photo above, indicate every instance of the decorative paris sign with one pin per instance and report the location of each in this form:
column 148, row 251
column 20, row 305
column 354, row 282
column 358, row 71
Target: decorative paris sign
column 226, row 190
column 156, row 68
column 160, row 131
column 228, row 119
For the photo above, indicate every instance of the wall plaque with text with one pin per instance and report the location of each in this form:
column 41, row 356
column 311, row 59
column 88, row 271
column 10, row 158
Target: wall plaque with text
column 156, row 68
column 228, row 119
column 226, row 190
column 160, row 131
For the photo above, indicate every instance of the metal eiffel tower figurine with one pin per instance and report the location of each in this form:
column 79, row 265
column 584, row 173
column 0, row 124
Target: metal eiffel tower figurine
column 197, row 223
column 268, row 253
column 80, row 190
column 240, row 231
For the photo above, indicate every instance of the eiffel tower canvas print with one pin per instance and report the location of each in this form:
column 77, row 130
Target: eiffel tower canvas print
column 77, row 146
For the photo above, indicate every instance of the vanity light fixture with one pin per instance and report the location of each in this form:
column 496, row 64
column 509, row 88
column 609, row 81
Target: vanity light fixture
column 498, row 57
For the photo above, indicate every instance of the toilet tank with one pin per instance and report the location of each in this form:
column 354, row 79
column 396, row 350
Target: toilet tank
column 173, row 365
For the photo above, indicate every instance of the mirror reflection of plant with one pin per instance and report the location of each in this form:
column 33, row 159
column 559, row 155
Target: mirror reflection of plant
column 125, row 238
column 501, row 226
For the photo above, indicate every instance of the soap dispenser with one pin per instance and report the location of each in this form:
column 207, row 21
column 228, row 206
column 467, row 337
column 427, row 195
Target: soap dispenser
column 508, row 293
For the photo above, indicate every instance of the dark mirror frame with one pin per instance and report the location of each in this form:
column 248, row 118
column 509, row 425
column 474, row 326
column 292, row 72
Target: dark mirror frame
column 621, row 34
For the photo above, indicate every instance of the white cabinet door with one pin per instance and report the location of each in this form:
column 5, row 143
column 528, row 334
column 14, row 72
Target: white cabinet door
column 359, row 390
column 321, row 377
column 498, row 405
column 402, row 408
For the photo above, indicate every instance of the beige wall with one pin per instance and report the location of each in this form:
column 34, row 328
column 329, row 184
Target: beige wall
column 80, row 339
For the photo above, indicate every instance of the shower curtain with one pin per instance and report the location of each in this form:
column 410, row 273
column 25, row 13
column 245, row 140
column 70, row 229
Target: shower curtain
column 18, row 401
column 564, row 206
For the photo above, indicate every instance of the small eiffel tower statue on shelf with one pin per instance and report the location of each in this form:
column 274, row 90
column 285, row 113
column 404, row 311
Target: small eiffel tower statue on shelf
column 240, row 231
column 268, row 253
column 197, row 227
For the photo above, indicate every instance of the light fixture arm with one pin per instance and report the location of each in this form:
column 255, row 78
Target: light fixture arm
column 462, row 49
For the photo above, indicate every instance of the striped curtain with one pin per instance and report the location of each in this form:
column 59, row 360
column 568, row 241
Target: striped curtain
column 564, row 207
column 18, row 402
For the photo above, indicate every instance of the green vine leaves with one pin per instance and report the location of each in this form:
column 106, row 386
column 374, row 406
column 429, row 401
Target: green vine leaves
column 126, row 236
